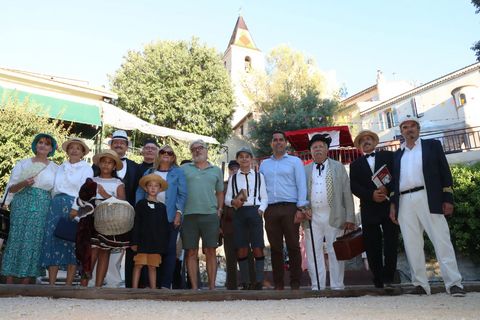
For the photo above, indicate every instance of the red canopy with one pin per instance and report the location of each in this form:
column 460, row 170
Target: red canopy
column 299, row 138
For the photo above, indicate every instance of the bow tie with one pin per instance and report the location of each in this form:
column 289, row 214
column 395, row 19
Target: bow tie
column 123, row 159
column 370, row 155
column 320, row 167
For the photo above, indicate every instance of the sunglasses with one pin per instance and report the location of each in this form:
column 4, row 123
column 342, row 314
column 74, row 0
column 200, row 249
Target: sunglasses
column 170, row 153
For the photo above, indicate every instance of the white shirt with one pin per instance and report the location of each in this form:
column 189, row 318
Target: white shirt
column 262, row 197
column 70, row 177
column 371, row 163
column 318, row 195
column 110, row 185
column 411, row 169
column 121, row 173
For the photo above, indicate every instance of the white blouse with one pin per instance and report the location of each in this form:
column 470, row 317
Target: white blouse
column 110, row 185
column 70, row 177
column 44, row 180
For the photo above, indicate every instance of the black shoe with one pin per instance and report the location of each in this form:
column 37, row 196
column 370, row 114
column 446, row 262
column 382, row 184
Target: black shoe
column 456, row 291
column 256, row 286
column 245, row 286
column 378, row 284
column 417, row 290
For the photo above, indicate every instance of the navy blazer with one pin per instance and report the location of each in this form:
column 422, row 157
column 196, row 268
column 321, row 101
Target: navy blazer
column 363, row 187
column 436, row 172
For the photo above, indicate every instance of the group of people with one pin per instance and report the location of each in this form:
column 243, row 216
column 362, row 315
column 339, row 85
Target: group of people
column 193, row 200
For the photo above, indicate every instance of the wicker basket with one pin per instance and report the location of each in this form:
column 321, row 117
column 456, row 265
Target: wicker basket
column 114, row 217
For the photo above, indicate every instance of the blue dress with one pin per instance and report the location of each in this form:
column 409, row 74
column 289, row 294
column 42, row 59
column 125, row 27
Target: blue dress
column 58, row 252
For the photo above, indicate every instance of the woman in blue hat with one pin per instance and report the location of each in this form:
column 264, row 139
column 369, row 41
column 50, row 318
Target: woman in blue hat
column 31, row 182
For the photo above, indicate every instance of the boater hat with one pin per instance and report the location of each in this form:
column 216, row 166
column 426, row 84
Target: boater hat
column 109, row 154
column 364, row 133
column 153, row 177
column 407, row 118
column 65, row 145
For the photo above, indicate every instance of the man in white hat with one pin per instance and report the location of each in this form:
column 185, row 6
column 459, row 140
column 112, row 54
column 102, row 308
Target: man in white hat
column 423, row 197
column 379, row 232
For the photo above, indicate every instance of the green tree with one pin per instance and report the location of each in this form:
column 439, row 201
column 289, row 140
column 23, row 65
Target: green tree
column 19, row 124
column 288, row 72
column 476, row 46
column 290, row 113
column 177, row 84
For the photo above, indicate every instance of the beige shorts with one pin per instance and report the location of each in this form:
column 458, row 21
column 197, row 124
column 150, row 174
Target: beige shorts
column 148, row 259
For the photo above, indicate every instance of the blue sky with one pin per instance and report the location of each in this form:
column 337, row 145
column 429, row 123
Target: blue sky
column 415, row 40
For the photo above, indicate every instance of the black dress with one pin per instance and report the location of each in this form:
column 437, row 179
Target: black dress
column 150, row 230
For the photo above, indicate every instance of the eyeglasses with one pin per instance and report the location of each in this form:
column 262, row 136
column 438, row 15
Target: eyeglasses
column 197, row 149
column 170, row 153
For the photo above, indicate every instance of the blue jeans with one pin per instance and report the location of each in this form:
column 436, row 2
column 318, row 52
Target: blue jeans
column 166, row 269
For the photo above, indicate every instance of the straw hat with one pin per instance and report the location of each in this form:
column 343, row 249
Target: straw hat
column 109, row 154
column 65, row 145
column 364, row 133
column 153, row 177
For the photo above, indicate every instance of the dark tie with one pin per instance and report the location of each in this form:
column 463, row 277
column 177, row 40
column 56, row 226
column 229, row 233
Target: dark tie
column 370, row 155
column 123, row 159
column 246, row 179
column 320, row 167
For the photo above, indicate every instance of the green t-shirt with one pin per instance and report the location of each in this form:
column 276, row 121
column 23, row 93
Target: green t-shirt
column 202, row 184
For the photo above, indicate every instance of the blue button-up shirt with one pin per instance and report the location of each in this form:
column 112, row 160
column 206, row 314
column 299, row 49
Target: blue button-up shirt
column 285, row 180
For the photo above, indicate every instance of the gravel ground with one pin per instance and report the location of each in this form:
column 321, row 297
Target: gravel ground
column 438, row 306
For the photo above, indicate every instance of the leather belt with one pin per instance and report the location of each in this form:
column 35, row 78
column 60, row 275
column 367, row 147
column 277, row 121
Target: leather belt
column 284, row 203
column 412, row 190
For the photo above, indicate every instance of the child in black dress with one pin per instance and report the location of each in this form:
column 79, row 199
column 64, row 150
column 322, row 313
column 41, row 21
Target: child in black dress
column 150, row 231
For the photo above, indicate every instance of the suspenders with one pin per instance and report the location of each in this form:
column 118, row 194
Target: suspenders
column 258, row 181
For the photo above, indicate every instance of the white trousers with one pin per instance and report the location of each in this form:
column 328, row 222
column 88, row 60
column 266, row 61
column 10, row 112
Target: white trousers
column 414, row 217
column 321, row 229
column 113, row 278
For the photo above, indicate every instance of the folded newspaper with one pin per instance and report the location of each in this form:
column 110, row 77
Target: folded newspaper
column 382, row 176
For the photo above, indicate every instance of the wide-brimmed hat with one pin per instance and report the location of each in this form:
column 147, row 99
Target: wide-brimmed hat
column 364, row 133
column 119, row 135
column 153, row 177
column 109, row 154
column 65, row 145
column 407, row 118
column 44, row 135
column 320, row 137
column 246, row 150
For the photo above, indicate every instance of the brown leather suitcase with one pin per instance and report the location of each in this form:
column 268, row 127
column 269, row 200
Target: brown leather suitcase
column 349, row 245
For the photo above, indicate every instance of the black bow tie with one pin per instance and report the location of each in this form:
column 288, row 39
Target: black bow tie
column 370, row 155
column 320, row 167
column 123, row 159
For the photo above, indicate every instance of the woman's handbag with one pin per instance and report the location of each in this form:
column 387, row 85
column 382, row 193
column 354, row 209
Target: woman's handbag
column 66, row 229
column 349, row 245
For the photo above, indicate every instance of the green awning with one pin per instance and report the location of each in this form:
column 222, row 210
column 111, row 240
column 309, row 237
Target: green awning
column 57, row 108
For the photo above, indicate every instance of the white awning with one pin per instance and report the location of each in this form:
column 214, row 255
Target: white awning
column 118, row 118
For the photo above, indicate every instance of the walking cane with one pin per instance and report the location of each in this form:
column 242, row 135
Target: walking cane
column 314, row 254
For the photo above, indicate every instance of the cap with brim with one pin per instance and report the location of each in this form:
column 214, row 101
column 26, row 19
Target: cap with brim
column 44, row 135
column 320, row 137
column 407, row 118
column 65, row 145
column 246, row 150
column 119, row 135
column 200, row 142
column 153, row 177
column 364, row 133
column 109, row 154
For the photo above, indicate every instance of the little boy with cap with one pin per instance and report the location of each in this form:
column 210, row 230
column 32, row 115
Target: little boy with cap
column 246, row 193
